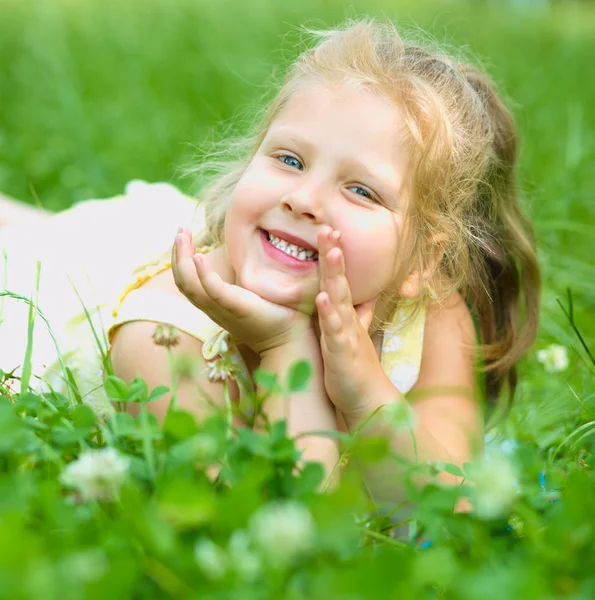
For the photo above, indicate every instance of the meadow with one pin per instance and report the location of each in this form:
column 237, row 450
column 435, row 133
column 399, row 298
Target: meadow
column 94, row 94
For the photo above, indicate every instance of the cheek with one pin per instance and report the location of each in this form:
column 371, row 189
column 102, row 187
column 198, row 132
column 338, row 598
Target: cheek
column 370, row 258
column 258, row 186
column 254, row 195
column 244, row 208
column 235, row 220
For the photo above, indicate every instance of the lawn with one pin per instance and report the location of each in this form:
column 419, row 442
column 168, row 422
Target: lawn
column 94, row 94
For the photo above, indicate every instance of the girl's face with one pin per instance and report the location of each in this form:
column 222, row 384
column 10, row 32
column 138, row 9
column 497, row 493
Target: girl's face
column 333, row 156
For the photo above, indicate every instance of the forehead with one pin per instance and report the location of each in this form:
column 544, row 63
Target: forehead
column 351, row 123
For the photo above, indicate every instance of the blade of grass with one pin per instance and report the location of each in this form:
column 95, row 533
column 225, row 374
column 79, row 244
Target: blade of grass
column 148, row 450
column 570, row 316
column 387, row 540
column 41, row 315
column 103, row 349
column 348, row 448
column 5, row 279
column 581, row 430
column 27, row 369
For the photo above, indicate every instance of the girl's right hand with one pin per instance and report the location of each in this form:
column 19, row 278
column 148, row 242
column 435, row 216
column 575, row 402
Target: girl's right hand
column 250, row 319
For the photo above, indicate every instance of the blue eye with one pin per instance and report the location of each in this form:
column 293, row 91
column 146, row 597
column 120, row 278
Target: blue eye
column 365, row 192
column 362, row 192
column 296, row 163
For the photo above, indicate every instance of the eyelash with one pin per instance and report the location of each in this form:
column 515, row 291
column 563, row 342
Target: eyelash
column 367, row 196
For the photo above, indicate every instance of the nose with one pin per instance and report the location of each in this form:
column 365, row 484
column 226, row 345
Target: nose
column 305, row 202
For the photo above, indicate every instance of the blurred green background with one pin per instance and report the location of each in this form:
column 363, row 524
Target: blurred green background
column 94, row 93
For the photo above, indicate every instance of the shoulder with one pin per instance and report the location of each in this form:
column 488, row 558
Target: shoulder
column 168, row 305
column 449, row 344
column 132, row 346
column 141, row 331
column 452, row 316
column 132, row 342
column 135, row 353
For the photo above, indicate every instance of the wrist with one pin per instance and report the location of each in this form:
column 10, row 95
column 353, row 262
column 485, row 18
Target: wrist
column 305, row 344
column 376, row 401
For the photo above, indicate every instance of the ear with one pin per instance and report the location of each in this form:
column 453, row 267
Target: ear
column 411, row 286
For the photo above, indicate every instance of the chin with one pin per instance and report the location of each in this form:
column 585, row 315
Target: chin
column 279, row 290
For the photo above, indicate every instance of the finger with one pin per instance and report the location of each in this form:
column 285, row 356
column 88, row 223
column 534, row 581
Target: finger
column 226, row 298
column 183, row 244
column 334, row 281
column 332, row 328
column 184, row 270
column 328, row 239
column 188, row 234
column 324, row 245
column 337, row 285
column 331, row 323
column 212, row 284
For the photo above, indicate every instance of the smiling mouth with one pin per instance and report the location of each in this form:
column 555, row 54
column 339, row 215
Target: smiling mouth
column 292, row 250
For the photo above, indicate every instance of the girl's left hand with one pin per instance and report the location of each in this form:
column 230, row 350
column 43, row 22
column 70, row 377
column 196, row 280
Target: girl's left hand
column 351, row 365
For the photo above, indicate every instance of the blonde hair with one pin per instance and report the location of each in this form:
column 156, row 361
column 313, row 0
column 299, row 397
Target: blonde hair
column 462, row 186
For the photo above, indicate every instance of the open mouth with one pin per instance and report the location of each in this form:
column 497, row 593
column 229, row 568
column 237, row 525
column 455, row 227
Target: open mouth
column 302, row 254
column 288, row 255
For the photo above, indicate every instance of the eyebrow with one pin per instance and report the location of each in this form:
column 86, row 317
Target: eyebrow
column 391, row 187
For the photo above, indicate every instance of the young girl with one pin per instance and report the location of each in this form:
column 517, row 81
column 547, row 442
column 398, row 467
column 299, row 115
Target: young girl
column 371, row 226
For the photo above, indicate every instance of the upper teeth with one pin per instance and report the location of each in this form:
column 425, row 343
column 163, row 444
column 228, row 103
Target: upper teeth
column 292, row 249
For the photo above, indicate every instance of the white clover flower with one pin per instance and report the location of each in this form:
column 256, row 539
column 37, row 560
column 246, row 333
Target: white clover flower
column 211, row 559
column 496, row 486
column 245, row 562
column 219, row 369
column 97, row 474
column 282, row 530
column 554, row 358
column 166, row 335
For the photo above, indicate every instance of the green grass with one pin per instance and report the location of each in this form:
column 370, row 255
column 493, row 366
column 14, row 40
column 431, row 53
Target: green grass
column 96, row 93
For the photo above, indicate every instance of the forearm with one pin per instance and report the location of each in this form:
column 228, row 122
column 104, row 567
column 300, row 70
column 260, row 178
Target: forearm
column 307, row 411
column 428, row 430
